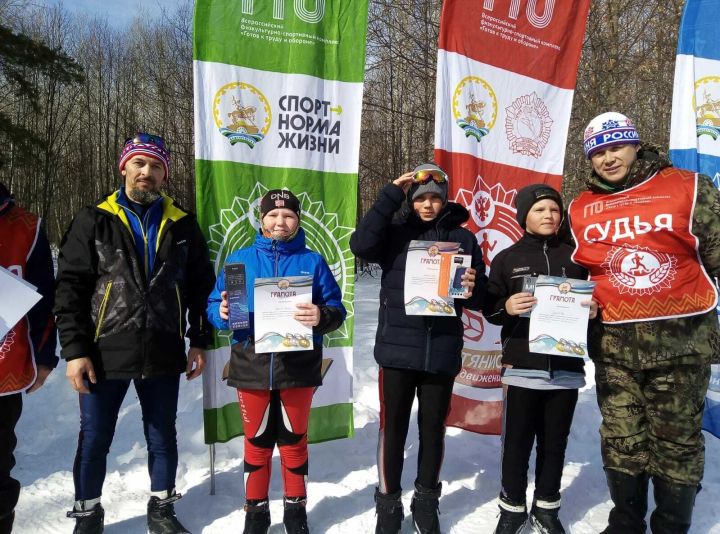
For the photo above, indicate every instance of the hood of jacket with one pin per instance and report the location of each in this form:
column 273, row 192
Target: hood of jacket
column 650, row 160
column 452, row 215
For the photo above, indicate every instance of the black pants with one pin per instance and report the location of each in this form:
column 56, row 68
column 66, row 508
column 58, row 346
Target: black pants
column 398, row 388
column 10, row 408
column 530, row 414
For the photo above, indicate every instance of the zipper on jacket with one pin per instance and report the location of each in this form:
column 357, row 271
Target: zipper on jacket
column 146, row 266
column 437, row 225
column 103, row 306
column 385, row 317
column 428, row 343
column 547, row 262
column 177, row 292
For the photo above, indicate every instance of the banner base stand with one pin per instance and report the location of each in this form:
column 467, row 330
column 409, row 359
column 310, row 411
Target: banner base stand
column 212, row 469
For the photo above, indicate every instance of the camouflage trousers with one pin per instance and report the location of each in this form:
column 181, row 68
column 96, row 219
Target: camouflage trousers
column 651, row 420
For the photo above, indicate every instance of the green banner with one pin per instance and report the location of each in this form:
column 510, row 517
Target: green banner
column 278, row 93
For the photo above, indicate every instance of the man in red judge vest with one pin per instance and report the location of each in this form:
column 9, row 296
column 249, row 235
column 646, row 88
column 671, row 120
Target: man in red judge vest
column 27, row 351
column 650, row 236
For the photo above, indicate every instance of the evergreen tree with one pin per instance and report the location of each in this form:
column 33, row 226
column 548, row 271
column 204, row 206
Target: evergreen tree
column 23, row 63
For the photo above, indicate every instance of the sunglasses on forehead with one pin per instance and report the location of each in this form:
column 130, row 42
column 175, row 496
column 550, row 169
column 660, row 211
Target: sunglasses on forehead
column 147, row 139
column 436, row 175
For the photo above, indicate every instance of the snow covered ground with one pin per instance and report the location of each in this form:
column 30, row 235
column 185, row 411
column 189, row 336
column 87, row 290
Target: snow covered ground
column 342, row 473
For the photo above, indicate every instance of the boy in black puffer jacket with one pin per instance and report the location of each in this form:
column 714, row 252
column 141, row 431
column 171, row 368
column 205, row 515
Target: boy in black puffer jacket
column 417, row 354
column 542, row 390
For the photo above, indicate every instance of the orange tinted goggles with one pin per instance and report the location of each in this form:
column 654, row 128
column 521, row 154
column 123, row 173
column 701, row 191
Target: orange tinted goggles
column 435, row 175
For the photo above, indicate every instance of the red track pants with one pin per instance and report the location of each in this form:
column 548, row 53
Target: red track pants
column 273, row 417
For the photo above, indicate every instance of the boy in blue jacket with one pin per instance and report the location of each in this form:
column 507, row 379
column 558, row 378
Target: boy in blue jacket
column 275, row 390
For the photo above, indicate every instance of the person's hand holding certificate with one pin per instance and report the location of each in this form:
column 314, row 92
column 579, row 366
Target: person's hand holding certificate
column 280, row 324
column 559, row 319
column 422, row 278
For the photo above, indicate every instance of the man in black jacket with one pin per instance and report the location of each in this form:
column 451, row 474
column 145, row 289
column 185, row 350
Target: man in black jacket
column 417, row 354
column 132, row 284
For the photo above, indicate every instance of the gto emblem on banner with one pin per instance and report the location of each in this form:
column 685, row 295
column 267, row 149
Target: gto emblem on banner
column 527, row 125
column 638, row 270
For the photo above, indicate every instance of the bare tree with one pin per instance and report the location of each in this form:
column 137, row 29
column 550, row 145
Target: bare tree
column 140, row 78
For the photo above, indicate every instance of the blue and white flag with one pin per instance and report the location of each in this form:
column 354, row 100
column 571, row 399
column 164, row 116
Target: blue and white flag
column 695, row 124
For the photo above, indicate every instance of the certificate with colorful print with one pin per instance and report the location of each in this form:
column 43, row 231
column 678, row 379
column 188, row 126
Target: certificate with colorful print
column 18, row 297
column 422, row 277
column 276, row 299
column 559, row 321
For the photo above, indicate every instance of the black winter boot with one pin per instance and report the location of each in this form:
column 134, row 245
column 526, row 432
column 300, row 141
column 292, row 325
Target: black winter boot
column 673, row 507
column 424, row 508
column 88, row 521
column 629, row 495
column 161, row 516
column 513, row 516
column 295, row 516
column 6, row 522
column 389, row 511
column 544, row 516
column 257, row 517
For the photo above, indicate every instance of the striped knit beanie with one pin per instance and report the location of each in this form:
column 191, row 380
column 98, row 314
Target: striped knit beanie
column 145, row 145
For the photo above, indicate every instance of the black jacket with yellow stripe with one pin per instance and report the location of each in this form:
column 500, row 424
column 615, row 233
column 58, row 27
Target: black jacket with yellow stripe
column 132, row 325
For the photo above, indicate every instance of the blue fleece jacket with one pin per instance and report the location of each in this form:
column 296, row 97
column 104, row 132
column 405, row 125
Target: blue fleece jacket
column 268, row 258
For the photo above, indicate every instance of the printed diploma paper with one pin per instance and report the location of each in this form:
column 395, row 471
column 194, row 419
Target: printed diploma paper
column 422, row 278
column 559, row 321
column 276, row 329
column 18, row 297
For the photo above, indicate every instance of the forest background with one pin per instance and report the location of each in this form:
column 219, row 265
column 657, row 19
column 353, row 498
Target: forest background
column 74, row 86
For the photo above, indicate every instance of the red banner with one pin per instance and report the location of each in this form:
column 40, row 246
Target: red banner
column 506, row 77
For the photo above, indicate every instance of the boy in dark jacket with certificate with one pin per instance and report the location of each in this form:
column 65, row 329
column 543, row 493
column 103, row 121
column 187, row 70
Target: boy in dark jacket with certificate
column 542, row 390
column 418, row 355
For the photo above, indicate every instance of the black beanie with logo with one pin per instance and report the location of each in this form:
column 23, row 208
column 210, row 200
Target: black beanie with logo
column 279, row 198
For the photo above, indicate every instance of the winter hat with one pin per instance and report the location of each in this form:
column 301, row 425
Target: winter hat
column 279, row 198
column 144, row 144
column 431, row 186
column 609, row 129
column 531, row 194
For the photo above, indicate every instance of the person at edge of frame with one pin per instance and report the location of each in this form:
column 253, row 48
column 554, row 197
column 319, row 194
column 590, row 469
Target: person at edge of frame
column 648, row 233
column 27, row 350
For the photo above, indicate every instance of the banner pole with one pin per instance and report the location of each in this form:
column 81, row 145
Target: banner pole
column 212, row 469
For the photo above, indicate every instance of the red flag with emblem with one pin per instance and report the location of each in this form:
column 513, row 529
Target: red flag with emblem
column 505, row 84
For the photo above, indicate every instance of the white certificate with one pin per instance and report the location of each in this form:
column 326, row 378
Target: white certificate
column 559, row 321
column 18, row 298
column 276, row 329
column 422, row 277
